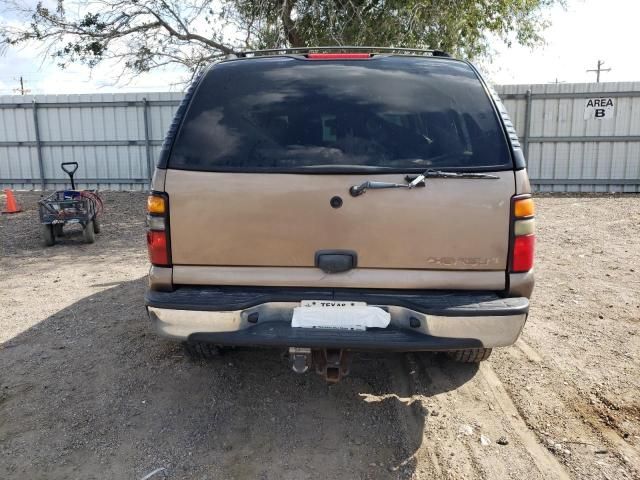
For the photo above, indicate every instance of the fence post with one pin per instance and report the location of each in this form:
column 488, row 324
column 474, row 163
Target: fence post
column 38, row 144
column 527, row 125
column 147, row 138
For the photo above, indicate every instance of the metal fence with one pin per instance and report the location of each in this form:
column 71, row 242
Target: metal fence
column 567, row 146
column 116, row 137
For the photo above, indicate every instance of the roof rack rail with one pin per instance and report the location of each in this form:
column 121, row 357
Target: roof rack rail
column 343, row 49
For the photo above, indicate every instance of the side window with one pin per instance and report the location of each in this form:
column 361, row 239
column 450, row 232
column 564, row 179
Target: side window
column 511, row 130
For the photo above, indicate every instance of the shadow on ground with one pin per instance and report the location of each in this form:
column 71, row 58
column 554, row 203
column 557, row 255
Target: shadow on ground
column 91, row 393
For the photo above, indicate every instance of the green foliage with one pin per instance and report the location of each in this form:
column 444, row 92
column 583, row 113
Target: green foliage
column 461, row 27
column 141, row 35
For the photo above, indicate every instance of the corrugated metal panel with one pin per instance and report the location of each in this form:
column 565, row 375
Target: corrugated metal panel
column 105, row 134
column 557, row 110
column 16, row 125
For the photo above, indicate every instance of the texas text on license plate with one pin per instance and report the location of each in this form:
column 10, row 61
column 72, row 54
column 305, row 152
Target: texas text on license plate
column 329, row 304
column 344, row 315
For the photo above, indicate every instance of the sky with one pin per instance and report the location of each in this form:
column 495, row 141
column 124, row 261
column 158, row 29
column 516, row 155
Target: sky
column 580, row 35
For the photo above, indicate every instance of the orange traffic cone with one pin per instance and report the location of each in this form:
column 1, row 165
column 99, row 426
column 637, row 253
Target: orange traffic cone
column 12, row 204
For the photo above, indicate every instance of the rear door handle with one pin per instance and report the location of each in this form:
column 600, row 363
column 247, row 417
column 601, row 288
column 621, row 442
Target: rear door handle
column 336, row 261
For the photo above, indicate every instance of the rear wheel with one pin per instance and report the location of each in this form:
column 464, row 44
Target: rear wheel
column 96, row 225
column 47, row 235
column 471, row 355
column 201, row 351
column 89, row 233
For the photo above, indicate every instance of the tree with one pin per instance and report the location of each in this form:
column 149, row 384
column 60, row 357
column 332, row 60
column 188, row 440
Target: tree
column 142, row 35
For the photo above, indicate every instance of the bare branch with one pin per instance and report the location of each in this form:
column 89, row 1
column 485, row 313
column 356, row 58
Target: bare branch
column 142, row 35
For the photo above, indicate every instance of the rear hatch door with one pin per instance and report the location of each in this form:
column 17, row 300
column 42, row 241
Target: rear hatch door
column 260, row 171
column 284, row 219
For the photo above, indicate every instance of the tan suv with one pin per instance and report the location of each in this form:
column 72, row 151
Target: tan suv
column 330, row 202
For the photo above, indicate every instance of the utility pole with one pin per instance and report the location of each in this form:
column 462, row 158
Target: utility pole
column 599, row 69
column 21, row 90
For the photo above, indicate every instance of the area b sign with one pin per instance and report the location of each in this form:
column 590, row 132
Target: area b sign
column 599, row 108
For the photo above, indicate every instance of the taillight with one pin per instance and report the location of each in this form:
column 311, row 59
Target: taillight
column 156, row 204
column 158, row 229
column 524, row 238
column 523, row 249
column 157, row 244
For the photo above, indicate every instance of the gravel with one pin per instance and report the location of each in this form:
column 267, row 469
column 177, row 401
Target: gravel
column 87, row 391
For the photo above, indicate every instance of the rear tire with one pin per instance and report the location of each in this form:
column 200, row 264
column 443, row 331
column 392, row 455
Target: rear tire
column 471, row 355
column 47, row 235
column 89, row 233
column 96, row 225
column 201, row 351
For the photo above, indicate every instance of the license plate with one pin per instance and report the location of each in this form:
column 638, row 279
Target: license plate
column 330, row 304
column 343, row 315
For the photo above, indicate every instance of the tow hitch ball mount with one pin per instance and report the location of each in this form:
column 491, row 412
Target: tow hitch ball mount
column 331, row 364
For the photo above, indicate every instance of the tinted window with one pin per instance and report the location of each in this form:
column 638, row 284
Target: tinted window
column 286, row 114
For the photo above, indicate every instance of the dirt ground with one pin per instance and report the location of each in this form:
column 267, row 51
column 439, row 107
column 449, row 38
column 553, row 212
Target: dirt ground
column 87, row 391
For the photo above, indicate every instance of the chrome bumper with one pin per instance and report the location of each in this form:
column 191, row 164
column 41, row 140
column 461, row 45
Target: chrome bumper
column 269, row 324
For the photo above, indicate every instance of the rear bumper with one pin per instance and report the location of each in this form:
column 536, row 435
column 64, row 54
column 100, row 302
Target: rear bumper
column 262, row 317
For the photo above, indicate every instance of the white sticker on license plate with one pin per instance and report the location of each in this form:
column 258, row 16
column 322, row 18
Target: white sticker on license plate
column 339, row 315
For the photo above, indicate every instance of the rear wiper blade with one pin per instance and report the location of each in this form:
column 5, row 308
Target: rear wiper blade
column 418, row 180
column 414, row 182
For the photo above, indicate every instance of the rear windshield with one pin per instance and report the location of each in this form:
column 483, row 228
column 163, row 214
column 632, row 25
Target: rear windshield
column 393, row 113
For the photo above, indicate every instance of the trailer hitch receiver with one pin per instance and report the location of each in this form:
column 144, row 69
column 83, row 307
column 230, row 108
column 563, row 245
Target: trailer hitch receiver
column 331, row 364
